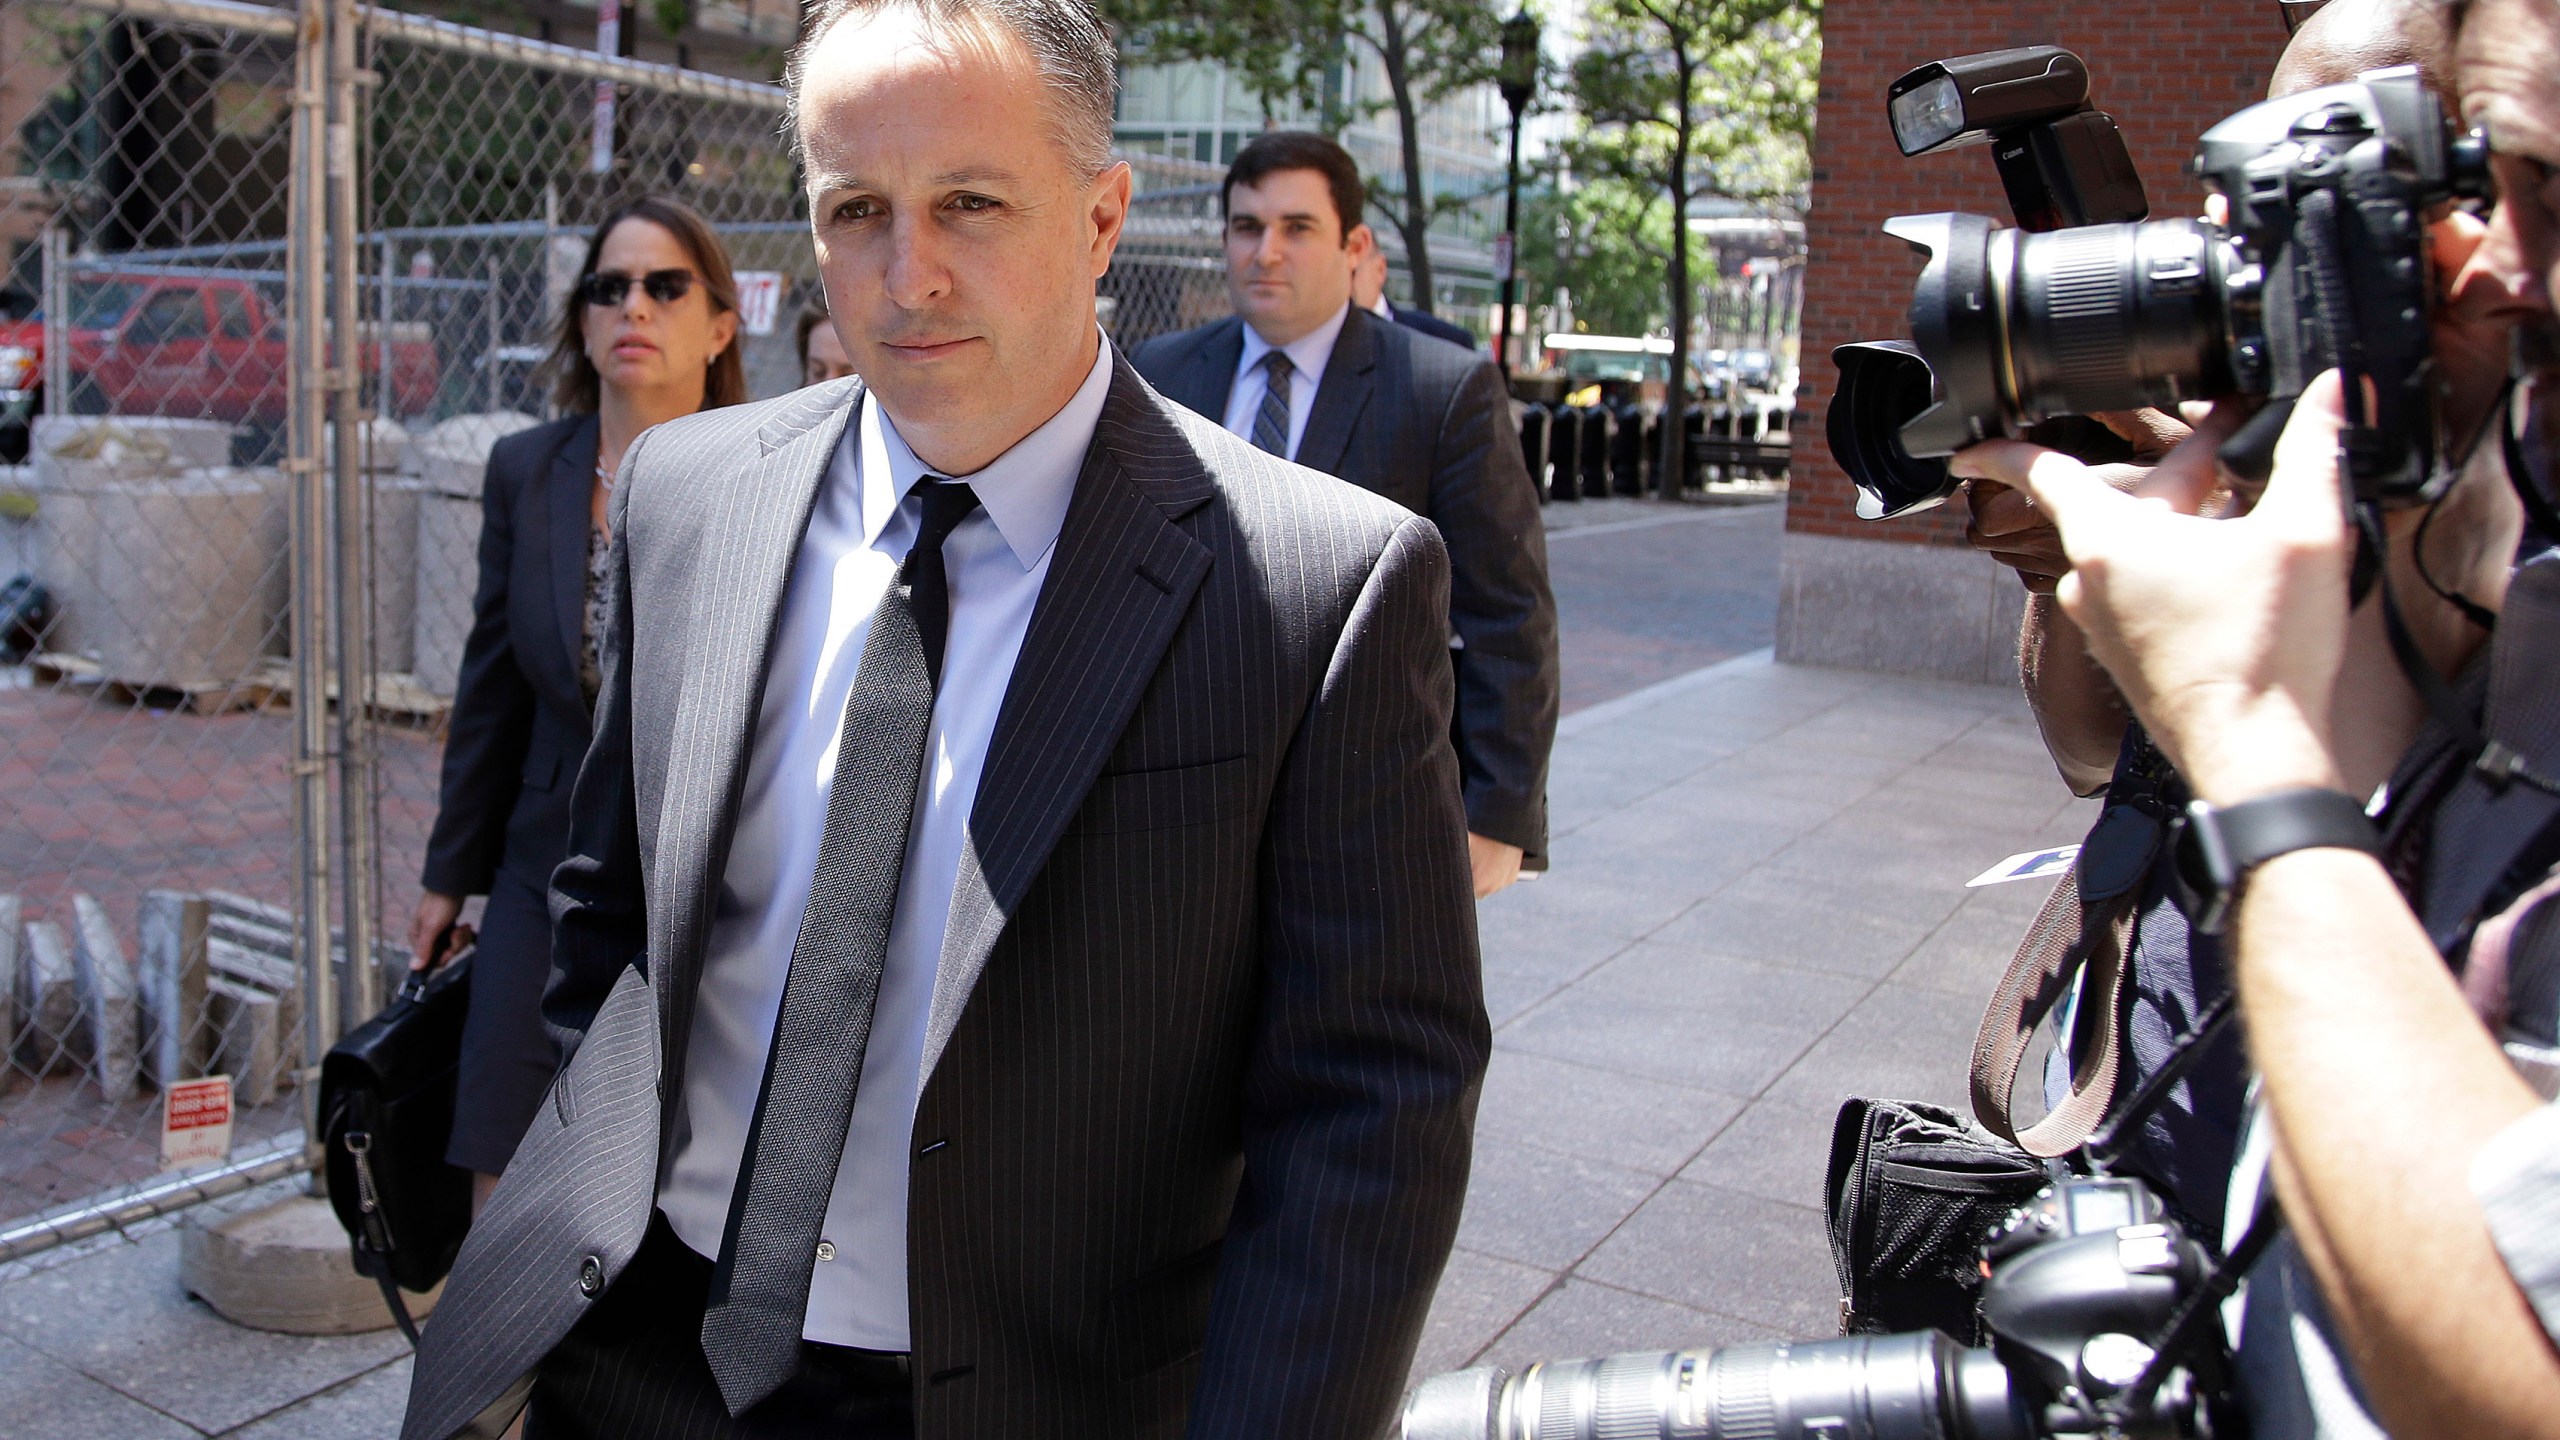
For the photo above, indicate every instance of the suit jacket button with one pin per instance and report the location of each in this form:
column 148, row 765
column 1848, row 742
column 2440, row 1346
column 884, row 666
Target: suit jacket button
column 590, row 1277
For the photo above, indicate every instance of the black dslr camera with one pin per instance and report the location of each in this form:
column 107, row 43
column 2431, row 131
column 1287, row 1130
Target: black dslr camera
column 2324, row 264
column 2084, row 1282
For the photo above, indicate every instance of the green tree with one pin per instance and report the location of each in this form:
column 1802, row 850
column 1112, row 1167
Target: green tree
column 1605, row 241
column 1287, row 50
column 1683, row 98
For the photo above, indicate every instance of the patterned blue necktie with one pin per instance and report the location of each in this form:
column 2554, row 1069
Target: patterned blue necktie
column 1271, row 422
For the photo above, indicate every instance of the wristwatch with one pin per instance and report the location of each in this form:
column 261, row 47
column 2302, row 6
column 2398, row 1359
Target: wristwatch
column 2219, row 846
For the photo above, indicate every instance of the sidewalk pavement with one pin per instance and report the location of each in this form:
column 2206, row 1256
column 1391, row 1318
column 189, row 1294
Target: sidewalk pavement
column 1757, row 909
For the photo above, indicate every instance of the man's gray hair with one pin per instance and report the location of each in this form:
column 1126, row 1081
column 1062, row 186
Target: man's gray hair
column 1065, row 38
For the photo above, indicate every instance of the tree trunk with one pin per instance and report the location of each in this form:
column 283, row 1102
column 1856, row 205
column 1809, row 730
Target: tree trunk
column 1675, row 394
column 1415, row 224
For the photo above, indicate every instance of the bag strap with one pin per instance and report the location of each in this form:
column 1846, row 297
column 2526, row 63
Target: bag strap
column 399, row 1307
column 2063, row 935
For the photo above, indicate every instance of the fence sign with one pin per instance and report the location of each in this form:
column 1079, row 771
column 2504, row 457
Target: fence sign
column 759, row 296
column 195, row 1125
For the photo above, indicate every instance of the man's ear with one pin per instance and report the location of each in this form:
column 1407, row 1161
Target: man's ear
column 1360, row 241
column 1109, row 199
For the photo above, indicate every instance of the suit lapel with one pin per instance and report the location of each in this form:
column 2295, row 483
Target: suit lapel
column 567, row 512
column 1211, row 376
column 748, row 540
column 1119, row 584
column 1349, row 374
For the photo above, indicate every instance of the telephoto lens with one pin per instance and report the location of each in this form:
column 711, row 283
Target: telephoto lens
column 1915, row 1386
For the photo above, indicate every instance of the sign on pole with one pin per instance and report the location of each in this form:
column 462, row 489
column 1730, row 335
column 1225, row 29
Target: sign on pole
column 759, row 298
column 608, row 43
column 195, row 1123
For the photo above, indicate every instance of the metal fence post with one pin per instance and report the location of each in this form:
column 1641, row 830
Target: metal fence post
column 362, row 982
column 57, row 321
column 306, row 301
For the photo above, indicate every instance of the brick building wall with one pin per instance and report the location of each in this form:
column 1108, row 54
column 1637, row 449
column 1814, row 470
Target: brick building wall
column 2166, row 70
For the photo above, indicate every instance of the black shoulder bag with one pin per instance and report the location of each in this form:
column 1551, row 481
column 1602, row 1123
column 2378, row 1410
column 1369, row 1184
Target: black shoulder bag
column 1914, row 1189
column 386, row 1115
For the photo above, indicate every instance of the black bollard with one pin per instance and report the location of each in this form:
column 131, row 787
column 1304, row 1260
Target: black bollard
column 1564, row 454
column 1694, row 467
column 1626, row 450
column 1595, row 452
column 1533, row 446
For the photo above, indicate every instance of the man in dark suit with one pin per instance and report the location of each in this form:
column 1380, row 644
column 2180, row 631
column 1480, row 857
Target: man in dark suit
column 1369, row 292
column 1304, row 374
column 1015, row 948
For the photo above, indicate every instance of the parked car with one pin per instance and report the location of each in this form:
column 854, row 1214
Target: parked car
column 198, row 344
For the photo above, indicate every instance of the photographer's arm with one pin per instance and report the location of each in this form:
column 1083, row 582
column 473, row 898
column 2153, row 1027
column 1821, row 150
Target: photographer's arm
column 2077, row 709
column 2228, row 638
column 2368, row 1051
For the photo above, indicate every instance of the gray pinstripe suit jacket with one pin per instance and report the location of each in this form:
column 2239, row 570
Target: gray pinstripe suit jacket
column 1208, row 1029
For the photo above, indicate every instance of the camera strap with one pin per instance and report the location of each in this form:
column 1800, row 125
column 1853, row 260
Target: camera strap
column 2497, row 763
column 2537, row 506
column 2187, row 1325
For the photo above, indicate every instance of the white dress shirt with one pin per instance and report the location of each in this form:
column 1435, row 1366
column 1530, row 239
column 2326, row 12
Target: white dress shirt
column 1307, row 356
column 860, row 528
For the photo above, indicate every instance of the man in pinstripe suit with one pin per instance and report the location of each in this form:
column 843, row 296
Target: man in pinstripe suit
column 1017, row 949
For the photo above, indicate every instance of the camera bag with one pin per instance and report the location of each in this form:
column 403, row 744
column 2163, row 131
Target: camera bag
column 1914, row 1189
column 386, row 1115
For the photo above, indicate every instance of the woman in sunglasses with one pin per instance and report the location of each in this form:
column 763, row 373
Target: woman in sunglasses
column 649, row 333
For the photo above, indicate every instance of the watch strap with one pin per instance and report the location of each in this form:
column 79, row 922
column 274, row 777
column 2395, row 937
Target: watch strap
column 2232, row 840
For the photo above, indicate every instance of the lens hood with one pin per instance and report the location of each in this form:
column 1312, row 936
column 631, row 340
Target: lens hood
column 1883, row 384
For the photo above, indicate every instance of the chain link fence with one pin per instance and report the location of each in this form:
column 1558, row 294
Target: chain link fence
column 238, row 552
column 148, row 854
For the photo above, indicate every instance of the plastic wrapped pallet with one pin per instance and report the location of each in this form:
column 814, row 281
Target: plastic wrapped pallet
column 179, row 589
column 451, row 462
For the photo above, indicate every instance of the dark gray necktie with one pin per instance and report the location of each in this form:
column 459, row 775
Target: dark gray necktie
column 760, row 1290
column 1271, row 421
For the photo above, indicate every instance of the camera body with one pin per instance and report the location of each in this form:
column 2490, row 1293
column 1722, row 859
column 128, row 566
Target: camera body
column 2323, row 264
column 2077, row 1278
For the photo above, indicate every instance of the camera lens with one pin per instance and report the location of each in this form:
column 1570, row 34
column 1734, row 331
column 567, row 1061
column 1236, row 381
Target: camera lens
column 2018, row 327
column 1882, row 1387
column 2111, row 317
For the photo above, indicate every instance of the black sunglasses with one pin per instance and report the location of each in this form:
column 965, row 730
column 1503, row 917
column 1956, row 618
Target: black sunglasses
column 606, row 289
column 2297, row 11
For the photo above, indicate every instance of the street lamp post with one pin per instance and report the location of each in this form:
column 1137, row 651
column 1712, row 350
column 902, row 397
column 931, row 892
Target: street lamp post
column 1518, row 79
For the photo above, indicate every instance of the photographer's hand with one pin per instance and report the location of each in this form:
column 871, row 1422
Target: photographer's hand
column 2228, row 637
column 2225, row 635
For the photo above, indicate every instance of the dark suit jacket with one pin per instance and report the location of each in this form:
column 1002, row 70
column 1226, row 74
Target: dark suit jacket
column 1431, row 325
column 519, row 722
column 1207, row 1032
column 1429, row 427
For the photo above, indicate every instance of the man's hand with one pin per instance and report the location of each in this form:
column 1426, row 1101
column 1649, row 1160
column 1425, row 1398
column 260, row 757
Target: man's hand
column 435, row 935
column 2225, row 635
column 2007, row 526
column 1495, row 863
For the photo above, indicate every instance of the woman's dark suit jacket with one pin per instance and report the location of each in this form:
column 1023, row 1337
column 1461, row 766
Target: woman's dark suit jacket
column 518, row 730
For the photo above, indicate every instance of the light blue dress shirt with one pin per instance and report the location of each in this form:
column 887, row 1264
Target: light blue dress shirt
column 1307, row 355
column 859, row 530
